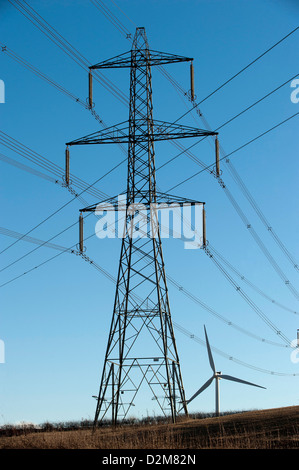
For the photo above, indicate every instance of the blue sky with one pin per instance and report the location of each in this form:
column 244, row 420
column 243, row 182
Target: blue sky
column 55, row 320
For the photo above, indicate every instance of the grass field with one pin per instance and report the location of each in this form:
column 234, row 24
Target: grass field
column 264, row 429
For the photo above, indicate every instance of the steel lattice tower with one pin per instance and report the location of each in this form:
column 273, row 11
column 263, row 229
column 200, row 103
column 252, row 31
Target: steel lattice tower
column 141, row 344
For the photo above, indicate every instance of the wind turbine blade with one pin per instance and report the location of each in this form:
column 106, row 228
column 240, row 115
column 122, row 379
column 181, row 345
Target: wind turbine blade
column 208, row 382
column 234, row 379
column 210, row 353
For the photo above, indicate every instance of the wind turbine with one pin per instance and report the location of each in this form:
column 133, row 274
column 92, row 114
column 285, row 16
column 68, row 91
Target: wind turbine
column 217, row 376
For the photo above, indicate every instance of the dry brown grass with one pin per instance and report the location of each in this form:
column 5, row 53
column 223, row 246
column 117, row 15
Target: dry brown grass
column 265, row 429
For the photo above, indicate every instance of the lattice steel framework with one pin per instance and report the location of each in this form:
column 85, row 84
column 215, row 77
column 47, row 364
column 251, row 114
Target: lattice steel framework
column 141, row 344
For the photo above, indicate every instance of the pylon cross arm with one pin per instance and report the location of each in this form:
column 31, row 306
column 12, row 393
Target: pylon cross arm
column 163, row 200
column 145, row 56
column 161, row 130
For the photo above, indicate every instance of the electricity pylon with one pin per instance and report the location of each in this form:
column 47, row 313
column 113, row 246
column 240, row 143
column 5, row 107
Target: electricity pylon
column 141, row 344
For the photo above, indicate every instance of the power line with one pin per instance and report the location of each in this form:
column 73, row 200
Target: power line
column 236, row 177
column 36, row 241
column 36, row 267
column 196, row 104
column 230, row 120
column 48, row 241
column 245, row 190
column 24, row 63
column 259, row 101
column 109, row 276
column 171, row 280
column 46, row 164
column 234, row 151
column 112, row 18
column 262, row 246
column 262, row 134
column 40, row 74
column 282, row 246
column 176, row 284
column 250, row 302
column 250, row 64
column 181, row 89
column 38, row 21
column 241, row 276
column 240, row 182
column 28, row 253
column 117, row 6
column 241, row 213
column 233, row 170
column 260, row 214
column 62, row 207
column 39, row 246
column 187, row 150
column 246, row 298
column 251, row 284
column 220, row 317
column 284, row 279
column 21, row 149
column 56, row 85
column 192, row 296
column 229, row 357
column 28, row 169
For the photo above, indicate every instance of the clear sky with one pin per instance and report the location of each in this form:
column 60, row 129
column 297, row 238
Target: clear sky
column 54, row 321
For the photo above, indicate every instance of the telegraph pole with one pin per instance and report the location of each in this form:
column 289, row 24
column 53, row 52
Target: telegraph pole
column 141, row 346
